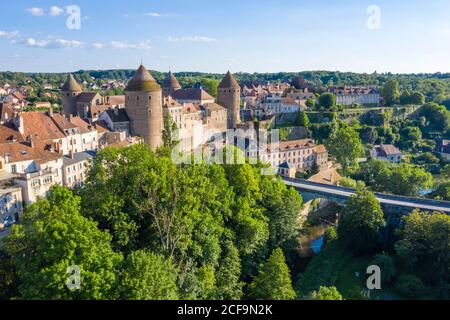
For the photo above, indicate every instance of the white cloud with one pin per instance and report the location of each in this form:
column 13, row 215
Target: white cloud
column 98, row 45
column 36, row 11
column 56, row 11
column 192, row 39
column 8, row 35
column 53, row 44
column 153, row 14
column 143, row 45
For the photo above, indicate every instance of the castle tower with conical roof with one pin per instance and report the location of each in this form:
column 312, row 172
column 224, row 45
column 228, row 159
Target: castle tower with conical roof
column 229, row 96
column 143, row 104
column 170, row 85
column 69, row 95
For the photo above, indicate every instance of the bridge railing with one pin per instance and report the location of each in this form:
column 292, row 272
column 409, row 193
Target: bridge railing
column 437, row 203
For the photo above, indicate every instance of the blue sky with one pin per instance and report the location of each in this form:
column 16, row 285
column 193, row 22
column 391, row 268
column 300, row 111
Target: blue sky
column 214, row 36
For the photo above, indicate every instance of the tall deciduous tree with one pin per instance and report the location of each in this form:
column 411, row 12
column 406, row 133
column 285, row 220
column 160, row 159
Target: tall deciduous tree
column 148, row 276
column 327, row 100
column 390, row 92
column 55, row 236
column 345, row 146
column 361, row 222
column 424, row 248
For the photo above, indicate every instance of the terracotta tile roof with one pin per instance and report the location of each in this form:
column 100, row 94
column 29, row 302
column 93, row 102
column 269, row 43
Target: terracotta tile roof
column 213, row 107
column 101, row 127
column 190, row 108
column 84, row 126
column 115, row 100
column 22, row 151
column 293, row 145
column 296, row 144
column 40, row 125
column 6, row 111
column 330, row 176
column 63, row 122
column 321, row 149
column 9, row 134
column 97, row 109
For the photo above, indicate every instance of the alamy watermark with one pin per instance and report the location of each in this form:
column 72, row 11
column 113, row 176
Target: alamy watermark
column 374, row 19
column 73, row 21
column 73, row 281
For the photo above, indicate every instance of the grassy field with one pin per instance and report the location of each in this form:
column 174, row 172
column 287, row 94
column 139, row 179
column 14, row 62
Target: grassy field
column 334, row 266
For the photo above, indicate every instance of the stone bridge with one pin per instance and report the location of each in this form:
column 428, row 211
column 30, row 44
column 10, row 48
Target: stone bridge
column 390, row 203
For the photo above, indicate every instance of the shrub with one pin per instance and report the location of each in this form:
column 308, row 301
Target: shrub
column 410, row 286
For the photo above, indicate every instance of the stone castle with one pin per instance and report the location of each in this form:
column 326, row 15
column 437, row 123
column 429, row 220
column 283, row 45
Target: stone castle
column 147, row 103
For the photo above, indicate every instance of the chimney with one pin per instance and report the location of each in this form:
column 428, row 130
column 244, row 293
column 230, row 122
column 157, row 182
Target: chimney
column 70, row 118
column 30, row 140
column 18, row 122
column 116, row 111
column 50, row 112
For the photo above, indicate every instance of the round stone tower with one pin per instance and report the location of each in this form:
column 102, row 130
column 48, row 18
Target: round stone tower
column 69, row 95
column 170, row 85
column 143, row 104
column 229, row 96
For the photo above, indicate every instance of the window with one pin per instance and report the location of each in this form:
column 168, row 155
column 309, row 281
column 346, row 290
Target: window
column 14, row 168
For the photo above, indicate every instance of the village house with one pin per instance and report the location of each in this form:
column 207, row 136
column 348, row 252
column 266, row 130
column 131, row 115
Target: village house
column 386, row 152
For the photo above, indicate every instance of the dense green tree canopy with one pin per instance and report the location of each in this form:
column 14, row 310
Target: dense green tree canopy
column 390, row 92
column 327, row 100
column 273, row 281
column 425, row 243
column 326, row 293
column 54, row 236
column 361, row 222
column 148, row 276
column 345, row 146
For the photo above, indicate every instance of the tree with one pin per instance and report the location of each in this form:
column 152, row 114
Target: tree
column 350, row 183
column 310, row 103
column 345, row 146
column 53, row 237
column 228, row 284
column 390, row 92
column 361, row 222
column 423, row 248
column 282, row 206
column 442, row 191
column 169, row 136
column 437, row 116
column 9, row 280
column 410, row 286
column 210, row 85
column 326, row 293
column 302, row 119
column 148, row 276
column 406, row 180
column 273, row 281
column 327, row 100
column 417, row 98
